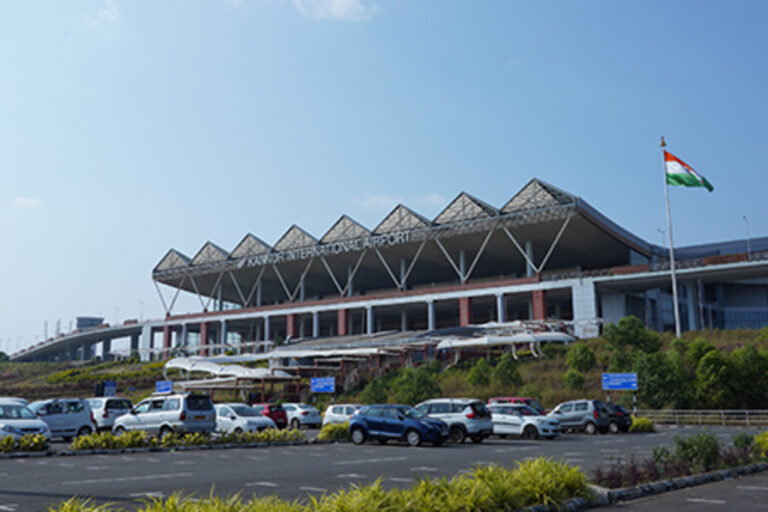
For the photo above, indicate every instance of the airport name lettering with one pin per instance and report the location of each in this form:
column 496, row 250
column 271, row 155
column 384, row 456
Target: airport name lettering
column 343, row 246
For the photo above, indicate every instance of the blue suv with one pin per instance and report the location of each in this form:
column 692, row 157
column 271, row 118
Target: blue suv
column 400, row 422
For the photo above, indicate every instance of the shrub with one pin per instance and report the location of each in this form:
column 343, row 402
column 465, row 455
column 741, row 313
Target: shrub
column 7, row 444
column 743, row 441
column 414, row 385
column 580, row 357
column 702, row 450
column 334, row 432
column 506, row 372
column 761, row 443
column 375, row 392
column 480, row 374
column 642, row 425
column 573, row 379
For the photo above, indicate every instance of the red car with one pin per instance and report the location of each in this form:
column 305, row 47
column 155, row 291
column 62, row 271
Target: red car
column 275, row 412
column 530, row 402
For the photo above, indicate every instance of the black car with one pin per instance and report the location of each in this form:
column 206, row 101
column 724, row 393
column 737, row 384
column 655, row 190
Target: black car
column 619, row 417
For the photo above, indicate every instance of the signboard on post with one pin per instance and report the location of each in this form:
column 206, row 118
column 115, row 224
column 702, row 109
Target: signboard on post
column 163, row 386
column 620, row 381
column 323, row 385
column 110, row 388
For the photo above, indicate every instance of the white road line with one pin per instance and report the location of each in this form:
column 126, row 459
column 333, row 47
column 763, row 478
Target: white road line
column 369, row 461
column 124, row 478
column 153, row 494
column 515, row 449
column 350, row 475
column 257, row 458
column 705, row 500
column 397, row 479
column 184, row 462
column 312, row 489
column 424, row 468
column 752, row 487
column 96, row 468
column 573, row 454
column 261, row 484
column 9, row 507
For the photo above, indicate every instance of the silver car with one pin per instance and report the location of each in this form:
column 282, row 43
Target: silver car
column 65, row 417
column 106, row 410
column 302, row 415
column 238, row 418
column 164, row 414
column 466, row 417
column 17, row 420
column 590, row 416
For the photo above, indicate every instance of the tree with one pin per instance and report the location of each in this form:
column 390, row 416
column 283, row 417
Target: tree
column 505, row 373
column 573, row 379
column 696, row 351
column 3, row 357
column 715, row 380
column 630, row 333
column 660, row 382
column 751, row 374
column 480, row 374
column 375, row 392
column 580, row 357
column 415, row 385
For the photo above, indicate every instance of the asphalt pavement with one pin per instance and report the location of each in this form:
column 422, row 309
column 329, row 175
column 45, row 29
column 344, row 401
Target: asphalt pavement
column 292, row 471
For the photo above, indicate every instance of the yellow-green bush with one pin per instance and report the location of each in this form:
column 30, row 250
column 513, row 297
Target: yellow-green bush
column 761, row 442
column 139, row 438
column 642, row 425
column 334, row 432
column 7, row 444
column 26, row 443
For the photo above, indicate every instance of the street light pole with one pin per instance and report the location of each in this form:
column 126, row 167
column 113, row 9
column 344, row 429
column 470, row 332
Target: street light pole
column 749, row 242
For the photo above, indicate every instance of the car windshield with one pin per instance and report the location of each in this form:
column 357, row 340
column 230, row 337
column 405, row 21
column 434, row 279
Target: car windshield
column 199, row 403
column 36, row 406
column 411, row 412
column 15, row 412
column 534, row 404
column 244, row 410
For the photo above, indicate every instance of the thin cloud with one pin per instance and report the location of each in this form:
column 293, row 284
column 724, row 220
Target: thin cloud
column 377, row 201
column 108, row 13
column 433, row 199
column 27, row 202
column 340, row 10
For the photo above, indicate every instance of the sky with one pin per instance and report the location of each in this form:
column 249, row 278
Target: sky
column 131, row 127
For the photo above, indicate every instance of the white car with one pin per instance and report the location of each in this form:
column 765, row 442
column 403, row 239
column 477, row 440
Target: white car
column 522, row 420
column 163, row 414
column 466, row 417
column 65, row 417
column 302, row 415
column 339, row 413
column 16, row 420
column 238, row 418
column 106, row 410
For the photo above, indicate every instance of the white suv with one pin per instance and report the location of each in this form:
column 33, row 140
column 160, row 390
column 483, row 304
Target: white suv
column 65, row 417
column 339, row 413
column 107, row 410
column 466, row 417
column 522, row 420
column 163, row 414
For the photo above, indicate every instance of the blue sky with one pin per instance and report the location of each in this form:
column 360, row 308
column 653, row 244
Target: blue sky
column 128, row 128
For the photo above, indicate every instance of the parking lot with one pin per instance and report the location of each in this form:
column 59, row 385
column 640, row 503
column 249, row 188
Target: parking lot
column 292, row 471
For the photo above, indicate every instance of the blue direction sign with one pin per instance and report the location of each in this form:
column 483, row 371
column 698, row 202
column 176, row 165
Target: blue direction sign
column 620, row 381
column 163, row 386
column 323, row 385
column 110, row 388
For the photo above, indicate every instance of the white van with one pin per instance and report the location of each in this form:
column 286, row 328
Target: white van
column 65, row 417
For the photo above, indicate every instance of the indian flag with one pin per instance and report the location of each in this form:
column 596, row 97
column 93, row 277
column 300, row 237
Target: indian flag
column 681, row 174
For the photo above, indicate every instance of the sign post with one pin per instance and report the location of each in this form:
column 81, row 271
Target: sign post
column 163, row 386
column 323, row 385
column 621, row 382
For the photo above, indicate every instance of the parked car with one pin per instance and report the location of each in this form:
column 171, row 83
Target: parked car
column 619, row 418
column 526, row 400
column 339, row 413
column 65, row 417
column 163, row 414
column 22, row 401
column 465, row 417
column 107, row 409
column 238, row 418
column 302, row 415
column 521, row 420
column 590, row 416
column 17, row 419
column 396, row 422
column 275, row 412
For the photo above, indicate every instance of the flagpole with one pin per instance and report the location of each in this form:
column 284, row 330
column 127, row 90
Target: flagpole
column 675, row 305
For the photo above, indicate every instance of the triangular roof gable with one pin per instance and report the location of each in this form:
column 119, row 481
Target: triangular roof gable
column 250, row 245
column 535, row 195
column 345, row 228
column 209, row 253
column 465, row 207
column 294, row 238
column 401, row 218
column 172, row 259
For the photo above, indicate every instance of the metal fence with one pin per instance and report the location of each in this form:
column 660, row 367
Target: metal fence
column 723, row 417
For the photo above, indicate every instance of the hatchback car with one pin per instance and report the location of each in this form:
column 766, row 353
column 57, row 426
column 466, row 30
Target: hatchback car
column 339, row 413
column 589, row 416
column 619, row 418
column 465, row 417
column 275, row 412
column 163, row 414
column 521, row 420
column 302, row 415
column 396, row 422
column 107, row 409
column 65, row 417
column 238, row 418
column 17, row 420
column 526, row 400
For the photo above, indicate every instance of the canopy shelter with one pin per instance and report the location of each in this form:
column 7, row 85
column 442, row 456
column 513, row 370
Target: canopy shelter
column 532, row 339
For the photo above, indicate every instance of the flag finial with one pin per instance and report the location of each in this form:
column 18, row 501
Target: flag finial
column 663, row 144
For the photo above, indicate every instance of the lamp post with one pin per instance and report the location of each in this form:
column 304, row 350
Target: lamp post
column 749, row 242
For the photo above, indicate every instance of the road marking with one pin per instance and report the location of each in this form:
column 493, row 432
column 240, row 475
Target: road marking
column 152, row 494
column 369, row 461
column 515, row 449
column 350, row 475
column 123, row 478
column 9, row 507
column 397, row 479
column 312, row 489
column 481, row 463
column 609, row 450
column 184, row 462
column 261, row 484
column 572, row 454
column 705, row 500
column 752, row 487
column 96, row 468
column 258, row 458
column 424, row 468
column 150, row 459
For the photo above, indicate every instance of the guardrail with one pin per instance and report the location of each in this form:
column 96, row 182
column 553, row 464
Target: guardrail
column 722, row 417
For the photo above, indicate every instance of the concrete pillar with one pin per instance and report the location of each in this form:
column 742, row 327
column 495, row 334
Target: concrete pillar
column 315, row 324
column 87, row 352
column 614, row 306
column 539, row 305
column 184, row 335
column 369, row 320
column 430, row 315
column 106, row 348
column 462, row 265
column 501, row 309
column 341, row 322
column 529, row 270
column 351, row 287
column 166, row 341
column 403, row 270
column 584, row 304
column 690, row 299
column 266, row 329
column 203, row 339
column 300, row 321
column 403, row 320
column 220, row 298
column 465, row 311
column 223, row 337
column 258, row 294
column 302, row 292
column 134, row 343
column 290, row 325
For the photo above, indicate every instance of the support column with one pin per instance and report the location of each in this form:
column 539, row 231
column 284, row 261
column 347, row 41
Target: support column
column 300, row 320
column 166, row 341
column 465, row 311
column 220, row 298
column 341, row 322
column 290, row 325
column 351, row 282
column 539, row 305
column 690, row 299
column 266, row 328
column 403, row 270
column 501, row 309
column 134, row 343
column 430, row 315
column 87, row 351
column 258, row 294
column 529, row 270
column 302, row 292
column 403, row 321
column 369, row 320
column 315, row 324
column 203, row 339
column 462, row 265
column 223, row 337
column 184, row 335
column 106, row 348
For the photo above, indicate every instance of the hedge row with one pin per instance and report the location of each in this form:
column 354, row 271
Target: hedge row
column 140, row 439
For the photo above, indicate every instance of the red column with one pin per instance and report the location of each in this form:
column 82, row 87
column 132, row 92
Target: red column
column 465, row 311
column 539, row 305
column 290, row 325
column 166, row 341
column 203, row 339
column 341, row 322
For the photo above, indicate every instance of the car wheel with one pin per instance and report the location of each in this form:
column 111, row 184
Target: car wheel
column 413, row 437
column 358, row 436
column 437, row 443
column 590, row 428
column 613, row 427
column 477, row 439
column 382, row 440
column 457, row 435
column 530, row 432
column 295, row 424
column 119, row 431
column 238, row 430
column 164, row 431
column 502, row 436
column 84, row 431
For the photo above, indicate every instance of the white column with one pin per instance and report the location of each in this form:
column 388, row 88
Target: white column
column 403, row 320
column 369, row 319
column 690, row 297
column 584, row 304
column 501, row 310
column 315, row 324
column 430, row 315
column 266, row 328
column 184, row 335
column 223, row 338
column 529, row 270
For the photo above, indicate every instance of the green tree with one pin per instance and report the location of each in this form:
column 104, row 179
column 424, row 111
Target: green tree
column 751, row 369
column 375, row 392
column 415, row 385
column 580, row 357
column 659, row 381
column 480, row 374
column 506, row 373
column 3, row 356
column 697, row 350
column 715, row 380
column 573, row 379
column 628, row 333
